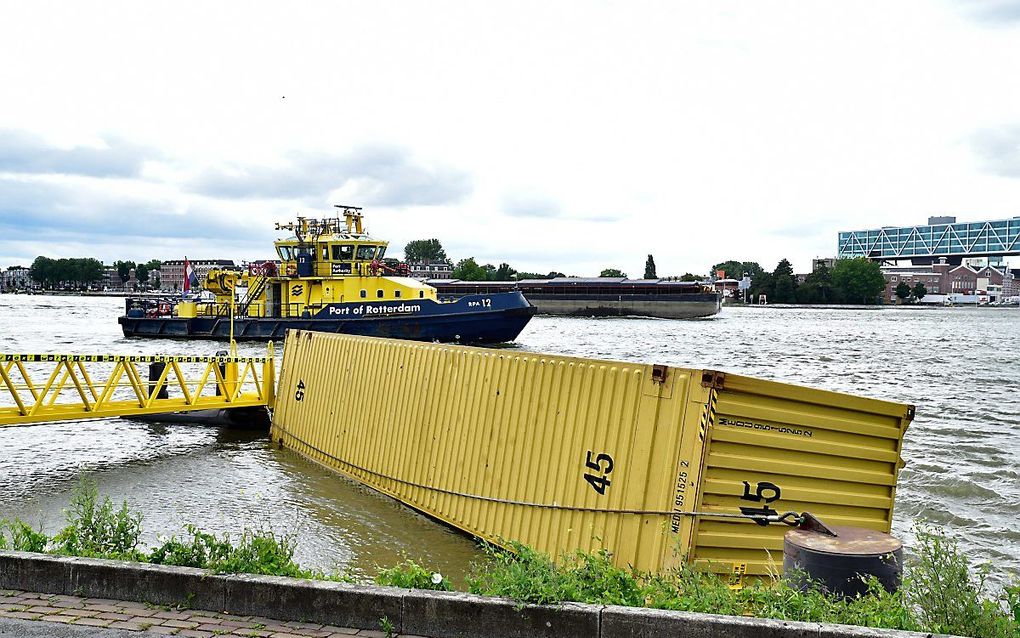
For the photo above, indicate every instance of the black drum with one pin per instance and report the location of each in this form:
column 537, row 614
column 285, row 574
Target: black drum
column 842, row 564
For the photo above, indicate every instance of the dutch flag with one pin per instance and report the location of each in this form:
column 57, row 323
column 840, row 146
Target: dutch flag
column 190, row 278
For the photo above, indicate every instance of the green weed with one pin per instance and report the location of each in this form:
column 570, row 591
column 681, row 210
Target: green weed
column 22, row 537
column 528, row 576
column 95, row 529
column 942, row 591
column 197, row 549
column 256, row 552
column 410, row 575
column 951, row 596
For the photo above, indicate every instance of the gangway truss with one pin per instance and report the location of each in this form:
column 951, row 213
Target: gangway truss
column 36, row 388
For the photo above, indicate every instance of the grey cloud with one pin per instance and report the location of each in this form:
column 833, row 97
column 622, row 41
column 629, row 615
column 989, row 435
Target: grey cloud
column 527, row 205
column 22, row 152
column 34, row 209
column 381, row 176
column 998, row 150
column 991, row 11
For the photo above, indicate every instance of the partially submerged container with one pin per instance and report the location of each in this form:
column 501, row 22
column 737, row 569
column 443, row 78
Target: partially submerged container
column 657, row 464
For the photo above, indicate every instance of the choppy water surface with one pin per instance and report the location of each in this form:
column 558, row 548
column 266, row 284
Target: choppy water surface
column 961, row 367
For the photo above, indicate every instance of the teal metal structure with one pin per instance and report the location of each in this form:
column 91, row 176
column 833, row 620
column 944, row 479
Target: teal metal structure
column 951, row 240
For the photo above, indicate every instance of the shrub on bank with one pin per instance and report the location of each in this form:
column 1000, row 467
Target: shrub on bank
column 410, row 575
column 96, row 530
column 941, row 593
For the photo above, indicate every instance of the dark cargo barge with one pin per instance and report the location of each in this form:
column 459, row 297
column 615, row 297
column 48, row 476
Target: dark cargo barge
column 599, row 296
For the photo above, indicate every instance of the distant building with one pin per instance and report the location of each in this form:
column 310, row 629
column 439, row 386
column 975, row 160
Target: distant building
column 1011, row 283
column 985, row 283
column 172, row 272
column 728, row 287
column 818, row 262
column 111, row 279
column 431, row 269
column 16, row 278
column 941, row 237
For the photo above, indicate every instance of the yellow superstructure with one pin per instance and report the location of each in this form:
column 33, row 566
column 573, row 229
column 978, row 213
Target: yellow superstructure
column 657, row 464
column 325, row 261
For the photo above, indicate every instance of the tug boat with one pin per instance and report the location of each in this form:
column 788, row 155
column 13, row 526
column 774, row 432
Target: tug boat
column 330, row 278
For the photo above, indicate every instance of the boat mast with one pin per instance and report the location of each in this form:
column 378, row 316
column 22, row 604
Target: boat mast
column 352, row 217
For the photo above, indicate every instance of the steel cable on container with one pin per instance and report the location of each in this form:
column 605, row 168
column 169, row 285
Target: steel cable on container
column 789, row 518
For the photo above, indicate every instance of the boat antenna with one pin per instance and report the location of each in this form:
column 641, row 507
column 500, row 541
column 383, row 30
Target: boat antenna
column 352, row 217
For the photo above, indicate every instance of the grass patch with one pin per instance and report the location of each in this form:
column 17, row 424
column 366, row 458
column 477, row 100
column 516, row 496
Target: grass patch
column 97, row 529
column 942, row 592
column 410, row 575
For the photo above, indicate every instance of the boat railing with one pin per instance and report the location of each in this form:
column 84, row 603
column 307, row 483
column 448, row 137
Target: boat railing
column 260, row 310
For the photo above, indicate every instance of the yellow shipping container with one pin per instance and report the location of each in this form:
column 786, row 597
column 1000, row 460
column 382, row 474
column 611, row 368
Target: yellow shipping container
column 657, row 464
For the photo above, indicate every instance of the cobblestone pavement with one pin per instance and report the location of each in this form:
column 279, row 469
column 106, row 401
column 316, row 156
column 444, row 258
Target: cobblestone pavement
column 157, row 619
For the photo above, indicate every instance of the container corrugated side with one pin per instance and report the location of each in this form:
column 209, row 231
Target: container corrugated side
column 556, row 452
column 775, row 447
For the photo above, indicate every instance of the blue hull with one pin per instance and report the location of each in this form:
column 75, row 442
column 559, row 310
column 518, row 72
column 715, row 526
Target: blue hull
column 496, row 318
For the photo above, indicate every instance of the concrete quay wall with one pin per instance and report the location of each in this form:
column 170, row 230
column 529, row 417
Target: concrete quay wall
column 417, row 612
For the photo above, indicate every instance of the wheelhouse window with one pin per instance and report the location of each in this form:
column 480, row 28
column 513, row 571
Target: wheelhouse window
column 325, row 253
column 343, row 252
column 284, row 252
column 382, row 251
column 366, row 253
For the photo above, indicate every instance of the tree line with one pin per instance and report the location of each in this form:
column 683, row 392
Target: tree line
column 854, row 281
column 143, row 271
column 427, row 250
column 81, row 272
column 75, row 271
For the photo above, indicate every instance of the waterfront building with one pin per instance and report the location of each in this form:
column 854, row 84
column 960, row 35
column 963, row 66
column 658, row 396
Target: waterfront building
column 1011, row 283
column 818, row 262
column 728, row 287
column 945, row 279
column 16, row 278
column 172, row 272
column 111, row 280
column 940, row 238
column 430, row 269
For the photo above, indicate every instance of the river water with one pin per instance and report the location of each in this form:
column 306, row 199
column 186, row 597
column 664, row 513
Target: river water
column 960, row 366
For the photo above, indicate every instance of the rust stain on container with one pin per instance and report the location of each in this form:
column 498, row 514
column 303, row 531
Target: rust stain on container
column 564, row 453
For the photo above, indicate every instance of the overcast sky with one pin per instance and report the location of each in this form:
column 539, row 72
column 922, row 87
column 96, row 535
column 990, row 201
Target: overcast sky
column 553, row 135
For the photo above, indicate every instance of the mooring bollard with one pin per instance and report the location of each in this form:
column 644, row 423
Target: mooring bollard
column 155, row 372
column 841, row 559
column 223, row 370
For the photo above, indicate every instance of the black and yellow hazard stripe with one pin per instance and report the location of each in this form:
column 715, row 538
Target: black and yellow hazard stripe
column 114, row 358
column 708, row 414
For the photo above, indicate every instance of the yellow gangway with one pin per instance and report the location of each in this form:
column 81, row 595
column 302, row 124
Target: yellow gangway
column 36, row 388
